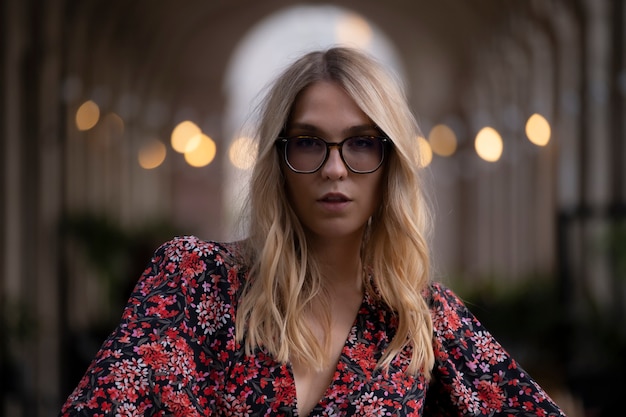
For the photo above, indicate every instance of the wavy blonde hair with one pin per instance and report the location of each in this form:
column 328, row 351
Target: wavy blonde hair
column 284, row 276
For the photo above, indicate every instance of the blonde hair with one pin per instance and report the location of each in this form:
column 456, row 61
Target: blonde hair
column 283, row 276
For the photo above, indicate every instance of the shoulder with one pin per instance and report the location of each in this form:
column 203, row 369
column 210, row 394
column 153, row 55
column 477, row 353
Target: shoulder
column 449, row 314
column 201, row 278
column 441, row 298
column 188, row 261
column 183, row 246
column 190, row 254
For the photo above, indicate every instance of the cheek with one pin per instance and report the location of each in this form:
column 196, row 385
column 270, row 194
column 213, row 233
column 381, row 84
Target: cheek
column 295, row 188
column 377, row 190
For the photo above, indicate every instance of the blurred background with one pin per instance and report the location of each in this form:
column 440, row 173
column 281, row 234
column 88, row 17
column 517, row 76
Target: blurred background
column 122, row 124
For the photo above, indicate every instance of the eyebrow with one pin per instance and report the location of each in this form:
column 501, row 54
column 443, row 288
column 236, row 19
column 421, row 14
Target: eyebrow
column 353, row 130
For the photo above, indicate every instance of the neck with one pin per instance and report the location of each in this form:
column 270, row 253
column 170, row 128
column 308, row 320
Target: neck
column 340, row 262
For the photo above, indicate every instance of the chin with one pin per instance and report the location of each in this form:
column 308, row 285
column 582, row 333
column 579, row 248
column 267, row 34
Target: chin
column 337, row 232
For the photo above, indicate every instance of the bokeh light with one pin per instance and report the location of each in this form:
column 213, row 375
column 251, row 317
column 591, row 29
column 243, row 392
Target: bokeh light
column 87, row 115
column 185, row 136
column 538, row 130
column 202, row 154
column 425, row 152
column 152, row 154
column 242, row 153
column 442, row 140
column 488, row 144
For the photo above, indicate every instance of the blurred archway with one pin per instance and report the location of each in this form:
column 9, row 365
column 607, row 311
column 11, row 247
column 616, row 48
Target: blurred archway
column 261, row 54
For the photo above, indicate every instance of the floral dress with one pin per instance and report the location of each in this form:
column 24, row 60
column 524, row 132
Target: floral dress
column 175, row 354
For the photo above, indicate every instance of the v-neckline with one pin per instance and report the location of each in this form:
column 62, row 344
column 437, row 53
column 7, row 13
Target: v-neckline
column 352, row 333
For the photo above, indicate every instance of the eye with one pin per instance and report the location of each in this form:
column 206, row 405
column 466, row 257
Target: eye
column 362, row 143
column 307, row 143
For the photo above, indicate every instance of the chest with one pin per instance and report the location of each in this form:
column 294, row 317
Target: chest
column 256, row 384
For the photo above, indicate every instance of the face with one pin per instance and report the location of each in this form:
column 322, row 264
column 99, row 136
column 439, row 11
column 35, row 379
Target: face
column 332, row 202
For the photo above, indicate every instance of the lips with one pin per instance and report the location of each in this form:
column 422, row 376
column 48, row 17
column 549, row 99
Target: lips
column 334, row 198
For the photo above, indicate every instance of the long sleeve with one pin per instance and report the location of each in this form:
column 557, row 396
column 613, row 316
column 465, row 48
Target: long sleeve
column 157, row 360
column 473, row 374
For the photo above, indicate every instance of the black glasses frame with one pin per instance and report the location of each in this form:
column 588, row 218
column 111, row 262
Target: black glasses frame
column 282, row 142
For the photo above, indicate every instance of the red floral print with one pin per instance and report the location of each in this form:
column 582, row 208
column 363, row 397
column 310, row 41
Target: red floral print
column 174, row 354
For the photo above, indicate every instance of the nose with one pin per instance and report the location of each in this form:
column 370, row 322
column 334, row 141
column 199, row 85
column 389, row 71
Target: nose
column 334, row 167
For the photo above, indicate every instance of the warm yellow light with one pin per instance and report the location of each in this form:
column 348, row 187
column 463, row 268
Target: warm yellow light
column 185, row 136
column 87, row 115
column 193, row 143
column 353, row 30
column 152, row 154
column 442, row 140
column 538, row 130
column 425, row 152
column 203, row 154
column 242, row 153
column 489, row 144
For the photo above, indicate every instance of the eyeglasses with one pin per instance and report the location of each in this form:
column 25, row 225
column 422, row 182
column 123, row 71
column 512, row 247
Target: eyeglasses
column 307, row 154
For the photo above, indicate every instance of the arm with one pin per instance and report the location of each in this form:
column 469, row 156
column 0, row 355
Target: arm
column 157, row 357
column 473, row 374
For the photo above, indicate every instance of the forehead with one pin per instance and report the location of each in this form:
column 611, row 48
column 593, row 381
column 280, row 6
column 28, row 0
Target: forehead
column 327, row 104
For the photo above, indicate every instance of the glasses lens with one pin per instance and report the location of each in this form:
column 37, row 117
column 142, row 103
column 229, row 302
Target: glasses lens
column 363, row 153
column 305, row 153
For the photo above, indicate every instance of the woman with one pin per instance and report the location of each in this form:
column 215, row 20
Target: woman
column 326, row 309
